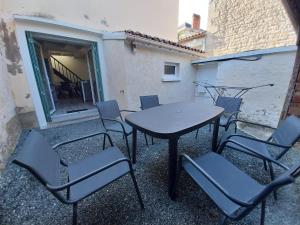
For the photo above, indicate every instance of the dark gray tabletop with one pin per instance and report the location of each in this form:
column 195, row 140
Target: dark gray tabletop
column 173, row 119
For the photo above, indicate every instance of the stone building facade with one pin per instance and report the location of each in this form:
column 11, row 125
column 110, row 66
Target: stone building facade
column 236, row 26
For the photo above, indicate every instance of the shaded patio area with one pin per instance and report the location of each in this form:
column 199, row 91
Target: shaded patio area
column 24, row 201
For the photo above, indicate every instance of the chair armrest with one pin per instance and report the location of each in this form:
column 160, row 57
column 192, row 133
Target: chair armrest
column 259, row 140
column 125, row 110
column 252, row 123
column 216, row 184
column 117, row 121
column 254, row 153
column 81, row 138
column 62, row 161
column 84, row 177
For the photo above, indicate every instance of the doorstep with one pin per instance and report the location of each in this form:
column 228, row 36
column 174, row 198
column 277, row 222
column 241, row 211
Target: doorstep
column 75, row 117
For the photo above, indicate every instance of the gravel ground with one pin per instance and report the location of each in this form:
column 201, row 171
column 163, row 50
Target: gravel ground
column 24, row 201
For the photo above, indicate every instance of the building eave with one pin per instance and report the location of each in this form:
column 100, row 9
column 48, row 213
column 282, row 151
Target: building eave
column 291, row 48
column 57, row 23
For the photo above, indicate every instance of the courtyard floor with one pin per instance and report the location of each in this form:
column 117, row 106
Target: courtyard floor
column 24, row 201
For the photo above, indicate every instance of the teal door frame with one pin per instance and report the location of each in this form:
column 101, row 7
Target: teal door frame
column 37, row 73
column 41, row 86
column 96, row 61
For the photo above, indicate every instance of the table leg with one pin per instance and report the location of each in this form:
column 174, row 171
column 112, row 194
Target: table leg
column 173, row 142
column 134, row 131
column 215, row 134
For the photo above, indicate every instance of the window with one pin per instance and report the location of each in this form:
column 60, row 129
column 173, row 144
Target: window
column 170, row 69
column 171, row 72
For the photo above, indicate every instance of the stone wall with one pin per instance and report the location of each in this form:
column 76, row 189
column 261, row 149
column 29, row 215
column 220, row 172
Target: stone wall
column 243, row 25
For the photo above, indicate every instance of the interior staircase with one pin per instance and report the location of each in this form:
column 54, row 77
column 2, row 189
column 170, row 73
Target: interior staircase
column 71, row 82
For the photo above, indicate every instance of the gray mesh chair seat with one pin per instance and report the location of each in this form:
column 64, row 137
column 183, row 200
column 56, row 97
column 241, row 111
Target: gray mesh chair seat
column 234, row 192
column 223, row 121
column 147, row 102
column 231, row 107
column 238, row 184
column 281, row 141
column 92, row 163
column 116, row 127
column 258, row 147
column 84, row 177
column 112, row 120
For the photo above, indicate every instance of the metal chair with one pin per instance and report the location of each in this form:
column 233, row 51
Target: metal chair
column 112, row 120
column 231, row 107
column 147, row 102
column 284, row 137
column 85, row 177
column 234, row 192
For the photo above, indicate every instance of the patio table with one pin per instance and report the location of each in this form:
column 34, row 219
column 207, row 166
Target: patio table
column 170, row 121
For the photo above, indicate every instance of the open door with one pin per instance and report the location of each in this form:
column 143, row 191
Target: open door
column 41, row 76
column 95, row 73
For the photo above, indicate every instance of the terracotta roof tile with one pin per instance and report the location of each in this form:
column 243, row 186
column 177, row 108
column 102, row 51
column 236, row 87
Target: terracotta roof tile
column 161, row 40
column 192, row 37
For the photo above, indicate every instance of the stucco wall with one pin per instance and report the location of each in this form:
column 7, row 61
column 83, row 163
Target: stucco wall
column 14, row 68
column 9, row 124
column 263, row 105
column 235, row 26
column 145, row 69
column 114, row 61
column 132, row 74
column 153, row 17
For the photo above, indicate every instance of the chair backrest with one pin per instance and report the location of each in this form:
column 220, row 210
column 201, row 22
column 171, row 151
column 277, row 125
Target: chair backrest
column 108, row 109
column 288, row 131
column 230, row 104
column 40, row 159
column 149, row 101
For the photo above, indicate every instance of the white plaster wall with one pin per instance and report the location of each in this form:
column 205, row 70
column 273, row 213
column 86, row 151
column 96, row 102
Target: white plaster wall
column 262, row 105
column 114, row 61
column 154, row 17
column 144, row 72
column 8, row 134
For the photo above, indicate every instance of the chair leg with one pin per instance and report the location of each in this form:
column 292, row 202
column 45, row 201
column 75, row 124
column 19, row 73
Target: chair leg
column 152, row 141
column 272, row 178
column 136, row 188
column 265, row 165
column 209, row 127
column 127, row 145
column 197, row 133
column 263, row 212
column 75, row 213
column 103, row 147
column 223, row 220
column 146, row 140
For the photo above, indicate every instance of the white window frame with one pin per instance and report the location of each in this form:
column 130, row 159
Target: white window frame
column 175, row 77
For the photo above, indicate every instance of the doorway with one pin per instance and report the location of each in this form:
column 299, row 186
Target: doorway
column 67, row 74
